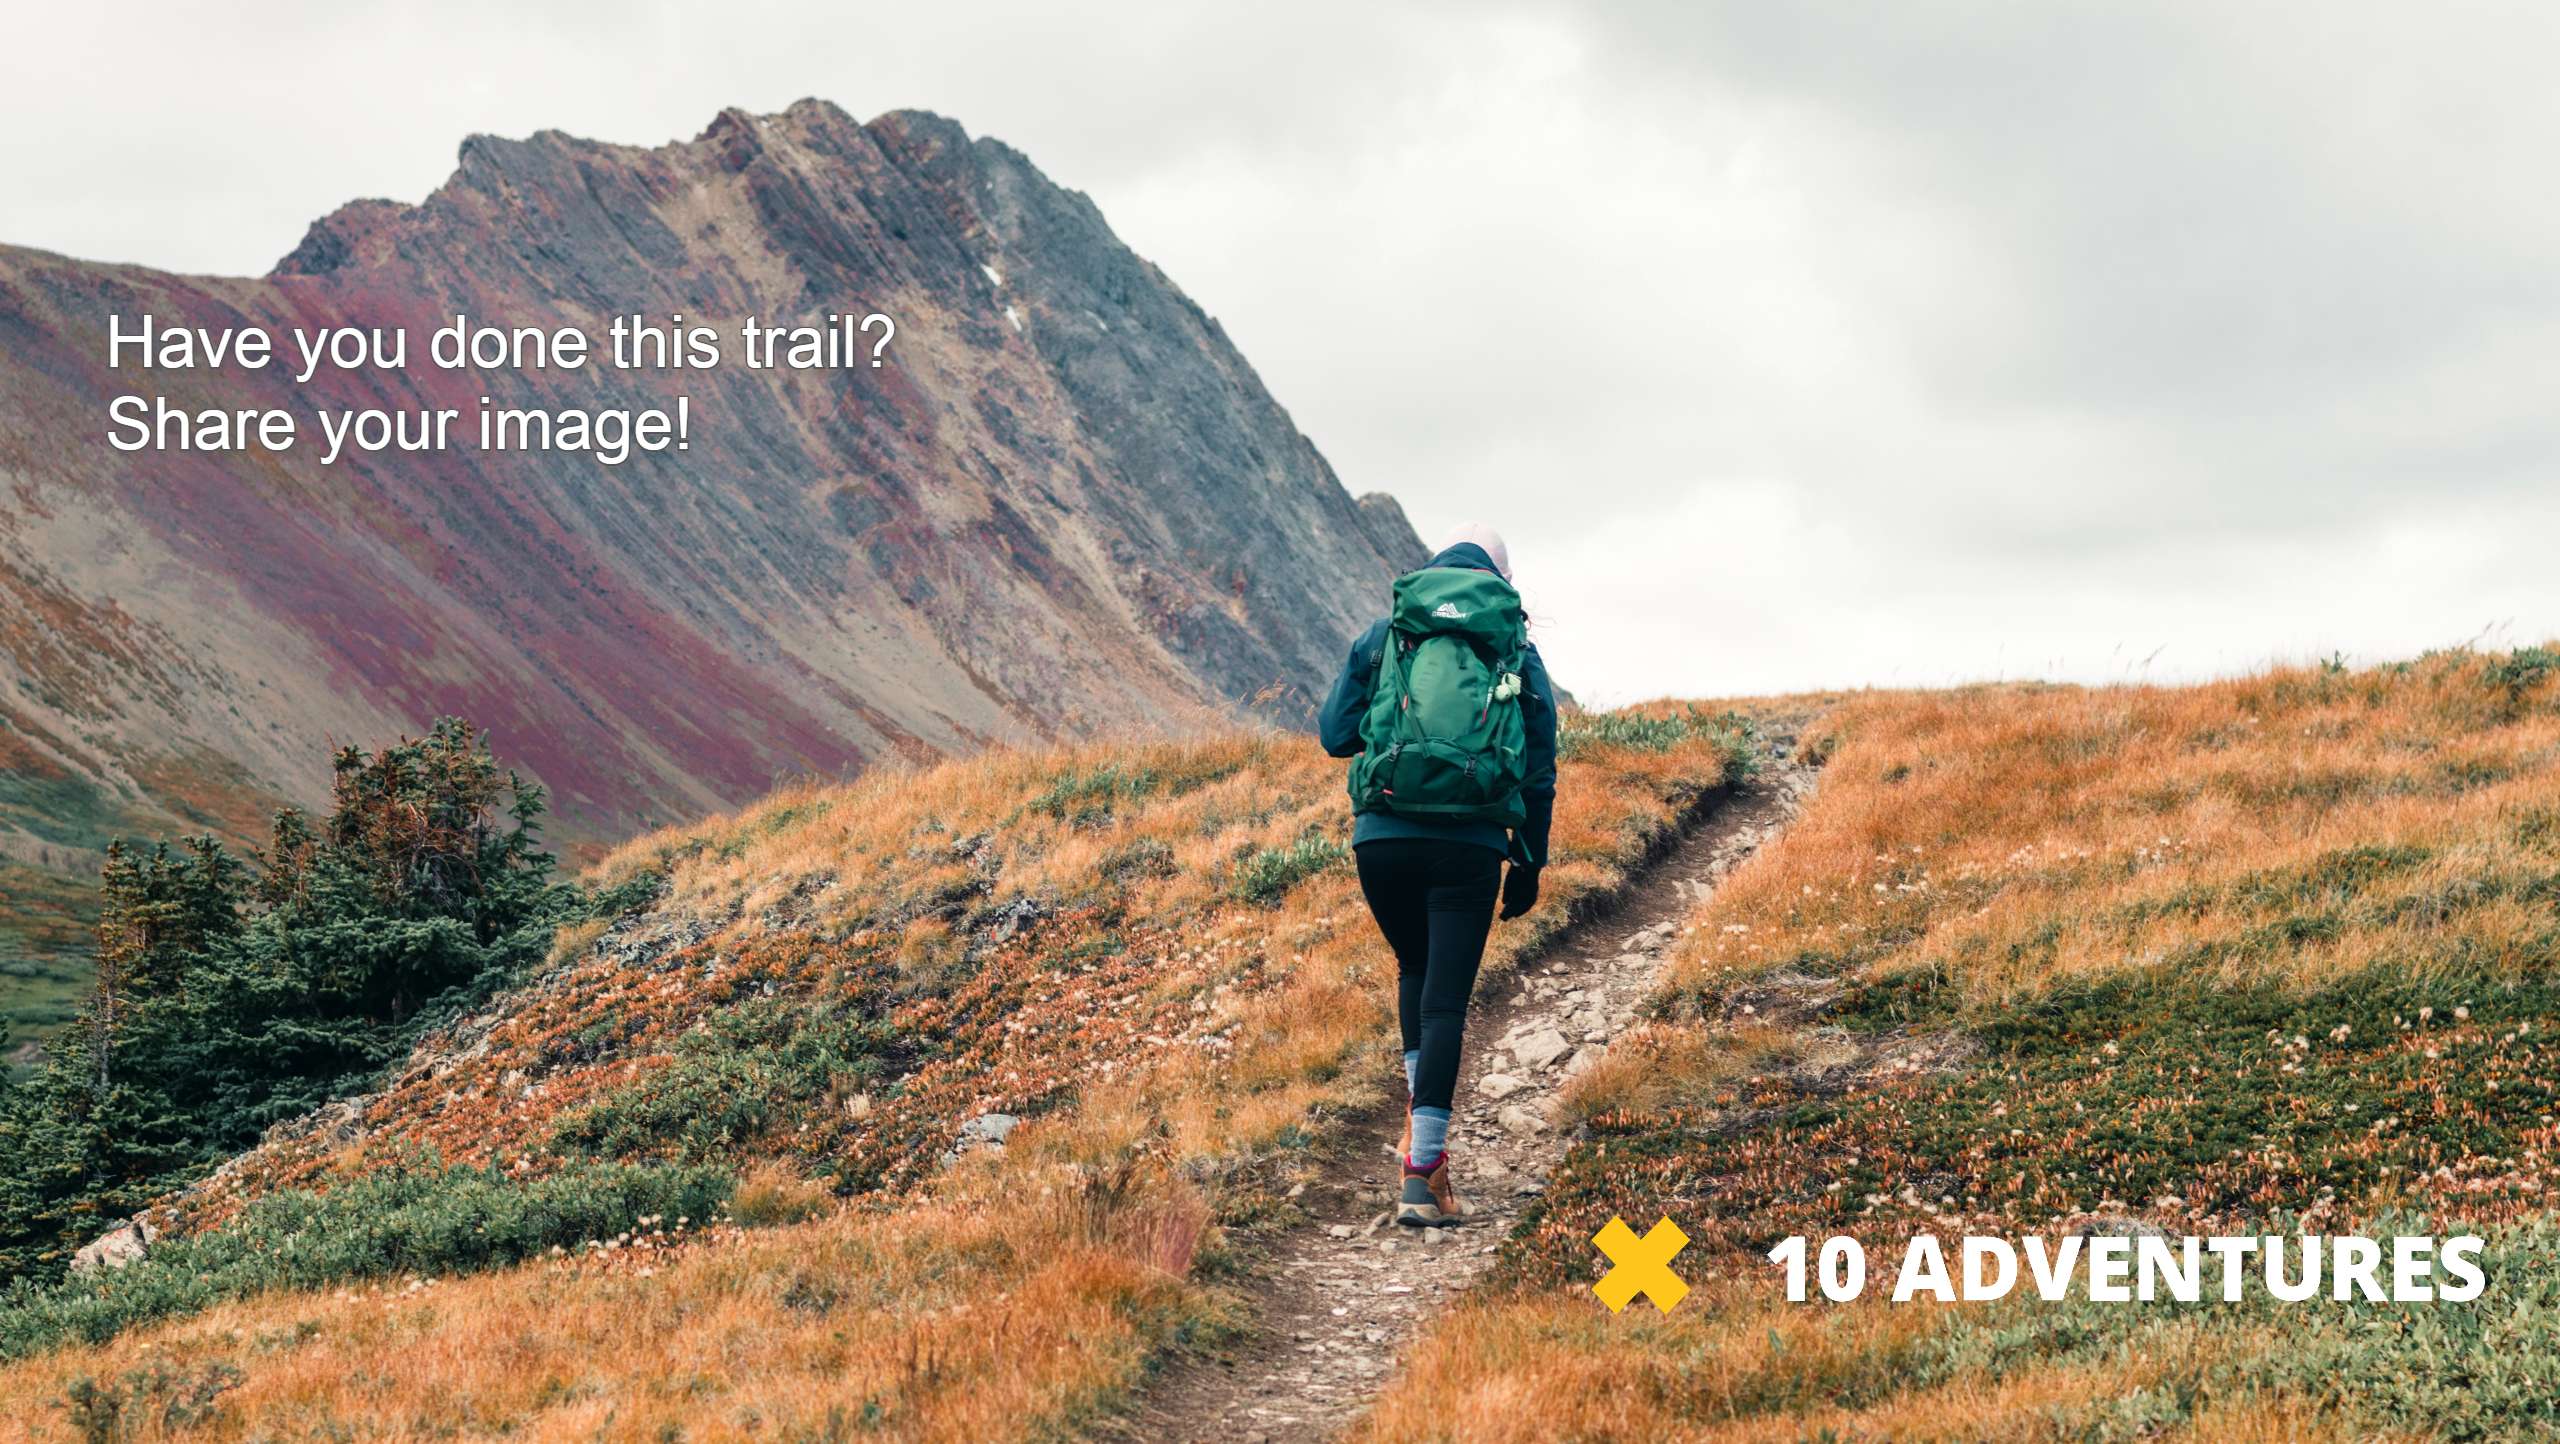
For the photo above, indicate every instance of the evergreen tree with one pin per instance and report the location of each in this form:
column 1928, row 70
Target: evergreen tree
column 128, row 922
column 229, row 999
column 284, row 869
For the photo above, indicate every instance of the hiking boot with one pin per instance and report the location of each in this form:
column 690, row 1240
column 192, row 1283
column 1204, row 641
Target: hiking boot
column 1404, row 1148
column 1429, row 1200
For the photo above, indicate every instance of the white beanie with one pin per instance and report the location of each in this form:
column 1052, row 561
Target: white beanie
column 1477, row 534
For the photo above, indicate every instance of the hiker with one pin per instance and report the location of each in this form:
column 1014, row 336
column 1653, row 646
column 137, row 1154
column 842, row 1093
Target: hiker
column 1445, row 710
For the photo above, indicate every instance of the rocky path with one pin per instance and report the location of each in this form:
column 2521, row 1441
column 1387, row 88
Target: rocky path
column 1336, row 1298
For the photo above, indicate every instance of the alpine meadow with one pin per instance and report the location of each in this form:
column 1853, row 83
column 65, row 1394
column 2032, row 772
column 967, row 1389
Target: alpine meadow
column 2272, row 955
column 717, row 1159
column 704, row 1163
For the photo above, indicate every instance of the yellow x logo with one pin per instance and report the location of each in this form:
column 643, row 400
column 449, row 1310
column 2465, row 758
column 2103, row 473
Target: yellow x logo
column 1640, row 1265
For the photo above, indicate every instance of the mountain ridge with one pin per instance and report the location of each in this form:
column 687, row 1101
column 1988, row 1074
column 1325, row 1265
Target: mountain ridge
column 1065, row 505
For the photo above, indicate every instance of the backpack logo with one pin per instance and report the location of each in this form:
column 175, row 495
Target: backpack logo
column 1449, row 610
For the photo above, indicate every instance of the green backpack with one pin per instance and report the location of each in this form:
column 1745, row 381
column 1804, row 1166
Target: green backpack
column 1443, row 738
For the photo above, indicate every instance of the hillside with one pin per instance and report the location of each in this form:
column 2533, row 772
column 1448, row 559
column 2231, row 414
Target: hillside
column 1066, row 505
column 1037, row 1095
column 732, row 1173
column 2278, row 954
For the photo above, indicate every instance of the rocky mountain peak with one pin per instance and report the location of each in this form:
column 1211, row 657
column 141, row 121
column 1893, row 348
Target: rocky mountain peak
column 1065, row 504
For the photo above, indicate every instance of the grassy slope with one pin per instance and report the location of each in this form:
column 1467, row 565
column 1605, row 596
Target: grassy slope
column 1156, row 954
column 62, row 822
column 2274, row 950
column 45, row 948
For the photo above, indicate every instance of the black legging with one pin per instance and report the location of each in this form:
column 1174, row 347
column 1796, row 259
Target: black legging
column 1434, row 901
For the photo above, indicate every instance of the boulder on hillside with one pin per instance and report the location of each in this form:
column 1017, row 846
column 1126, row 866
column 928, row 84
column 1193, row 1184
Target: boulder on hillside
column 987, row 1130
column 117, row 1247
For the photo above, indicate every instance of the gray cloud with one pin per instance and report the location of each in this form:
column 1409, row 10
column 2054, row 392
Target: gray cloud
column 1794, row 345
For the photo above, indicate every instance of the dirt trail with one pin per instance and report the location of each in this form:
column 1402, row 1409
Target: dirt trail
column 1337, row 1298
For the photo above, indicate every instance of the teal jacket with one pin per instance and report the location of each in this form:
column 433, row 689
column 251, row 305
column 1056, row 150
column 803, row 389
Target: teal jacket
column 1338, row 727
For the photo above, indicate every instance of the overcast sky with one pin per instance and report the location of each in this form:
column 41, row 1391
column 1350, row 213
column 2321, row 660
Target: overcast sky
column 1791, row 345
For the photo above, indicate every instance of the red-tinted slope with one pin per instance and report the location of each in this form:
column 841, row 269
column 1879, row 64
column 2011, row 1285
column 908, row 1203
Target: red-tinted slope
column 1065, row 504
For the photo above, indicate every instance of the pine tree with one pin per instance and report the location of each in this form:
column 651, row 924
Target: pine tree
column 284, row 869
column 208, row 888
column 227, row 1000
column 127, row 920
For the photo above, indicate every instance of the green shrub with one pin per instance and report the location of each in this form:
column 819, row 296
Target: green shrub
column 229, row 996
column 2487, row 1369
column 175, row 1399
column 1144, row 857
column 1732, row 733
column 756, row 1068
column 2524, row 668
column 1089, row 797
column 2175, row 1085
column 423, row 1220
column 1264, row 876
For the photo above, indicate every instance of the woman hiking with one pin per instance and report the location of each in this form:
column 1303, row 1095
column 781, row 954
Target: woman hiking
column 1445, row 709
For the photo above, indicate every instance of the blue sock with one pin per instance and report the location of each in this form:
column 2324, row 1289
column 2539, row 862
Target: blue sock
column 1430, row 1137
column 1412, row 1070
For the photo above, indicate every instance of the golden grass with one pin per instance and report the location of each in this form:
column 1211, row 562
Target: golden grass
column 768, row 1194
column 981, row 1314
column 1652, row 1069
column 1732, row 1365
column 1154, row 1028
column 2028, row 835
column 1975, row 851
column 1237, row 1017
